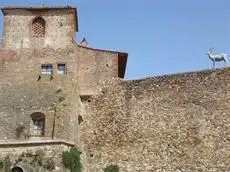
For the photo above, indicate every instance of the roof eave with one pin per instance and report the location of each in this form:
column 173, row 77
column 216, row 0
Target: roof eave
column 122, row 63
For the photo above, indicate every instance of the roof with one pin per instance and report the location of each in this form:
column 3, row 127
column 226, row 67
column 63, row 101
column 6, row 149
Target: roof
column 122, row 62
column 122, row 59
column 5, row 10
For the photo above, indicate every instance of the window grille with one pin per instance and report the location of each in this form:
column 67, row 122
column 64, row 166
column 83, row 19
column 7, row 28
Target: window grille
column 61, row 70
column 38, row 27
column 46, row 69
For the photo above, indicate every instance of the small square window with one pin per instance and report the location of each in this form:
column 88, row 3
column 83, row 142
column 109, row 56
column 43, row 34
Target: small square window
column 61, row 70
column 46, row 69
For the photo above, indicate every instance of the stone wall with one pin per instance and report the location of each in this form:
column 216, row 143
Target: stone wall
column 24, row 90
column 35, row 156
column 168, row 123
column 95, row 66
column 59, row 29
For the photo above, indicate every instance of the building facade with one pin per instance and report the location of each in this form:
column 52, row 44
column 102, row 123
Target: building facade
column 44, row 76
column 56, row 94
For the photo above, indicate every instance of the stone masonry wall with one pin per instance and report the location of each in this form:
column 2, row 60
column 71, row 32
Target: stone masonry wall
column 24, row 90
column 95, row 66
column 169, row 123
column 59, row 29
column 35, row 157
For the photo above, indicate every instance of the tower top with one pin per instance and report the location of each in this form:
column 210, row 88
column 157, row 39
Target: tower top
column 73, row 10
column 39, row 27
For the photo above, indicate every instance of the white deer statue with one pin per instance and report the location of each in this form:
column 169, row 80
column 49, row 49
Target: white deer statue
column 217, row 57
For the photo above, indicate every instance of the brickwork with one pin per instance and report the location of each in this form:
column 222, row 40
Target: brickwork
column 38, row 27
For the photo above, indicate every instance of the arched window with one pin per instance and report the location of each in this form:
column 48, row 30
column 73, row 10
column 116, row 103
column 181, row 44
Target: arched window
column 38, row 27
column 38, row 127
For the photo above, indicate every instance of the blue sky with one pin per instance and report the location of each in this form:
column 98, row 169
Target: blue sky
column 161, row 36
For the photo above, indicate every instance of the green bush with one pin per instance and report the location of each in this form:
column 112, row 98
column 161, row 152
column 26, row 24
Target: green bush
column 7, row 164
column 111, row 168
column 72, row 160
column 1, row 164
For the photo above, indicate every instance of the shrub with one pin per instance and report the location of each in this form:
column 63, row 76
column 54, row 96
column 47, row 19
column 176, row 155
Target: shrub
column 1, row 164
column 111, row 168
column 72, row 160
column 7, row 164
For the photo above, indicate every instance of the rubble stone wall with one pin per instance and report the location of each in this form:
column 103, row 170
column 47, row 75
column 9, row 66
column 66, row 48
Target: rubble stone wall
column 168, row 123
column 24, row 91
column 59, row 29
column 95, row 66
column 34, row 157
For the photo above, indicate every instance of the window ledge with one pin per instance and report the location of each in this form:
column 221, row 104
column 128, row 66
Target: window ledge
column 42, row 74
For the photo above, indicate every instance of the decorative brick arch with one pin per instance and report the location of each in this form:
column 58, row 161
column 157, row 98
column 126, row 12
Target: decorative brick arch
column 38, row 27
column 38, row 124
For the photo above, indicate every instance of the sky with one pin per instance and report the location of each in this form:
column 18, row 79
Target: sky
column 160, row 36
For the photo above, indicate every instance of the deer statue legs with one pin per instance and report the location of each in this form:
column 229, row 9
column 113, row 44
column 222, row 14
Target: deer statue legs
column 214, row 64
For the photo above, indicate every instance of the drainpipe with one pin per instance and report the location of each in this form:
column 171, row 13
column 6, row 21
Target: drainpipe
column 54, row 120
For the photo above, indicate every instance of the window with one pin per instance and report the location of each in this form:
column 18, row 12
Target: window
column 47, row 69
column 61, row 69
column 38, row 127
column 38, row 27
